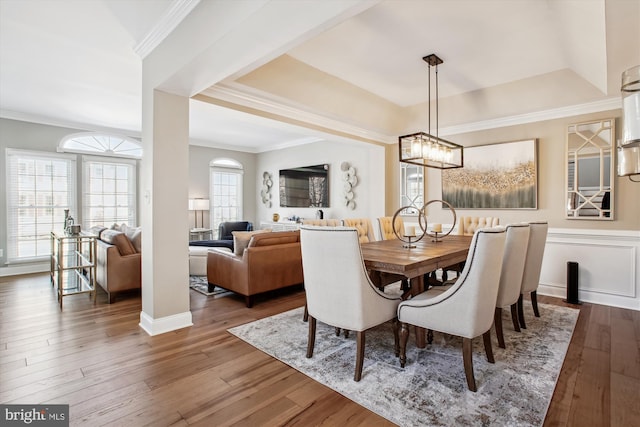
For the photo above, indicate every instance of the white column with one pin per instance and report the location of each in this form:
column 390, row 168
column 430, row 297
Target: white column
column 164, row 213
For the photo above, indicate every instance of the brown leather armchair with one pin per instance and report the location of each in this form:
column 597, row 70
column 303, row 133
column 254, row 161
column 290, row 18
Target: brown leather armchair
column 270, row 261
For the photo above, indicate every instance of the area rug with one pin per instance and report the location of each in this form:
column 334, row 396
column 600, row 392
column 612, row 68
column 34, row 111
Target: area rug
column 431, row 389
column 200, row 284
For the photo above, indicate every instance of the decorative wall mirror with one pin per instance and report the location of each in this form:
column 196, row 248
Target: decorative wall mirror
column 411, row 188
column 590, row 168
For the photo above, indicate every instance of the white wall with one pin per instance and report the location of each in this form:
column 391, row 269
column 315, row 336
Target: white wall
column 367, row 159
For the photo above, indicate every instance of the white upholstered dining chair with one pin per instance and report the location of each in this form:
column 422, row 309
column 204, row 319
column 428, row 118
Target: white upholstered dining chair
column 339, row 291
column 532, row 267
column 466, row 309
column 515, row 252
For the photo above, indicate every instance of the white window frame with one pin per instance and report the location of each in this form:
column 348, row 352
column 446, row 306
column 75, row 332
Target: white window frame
column 129, row 194
column 225, row 166
column 18, row 230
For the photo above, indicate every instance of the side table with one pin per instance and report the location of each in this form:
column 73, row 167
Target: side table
column 200, row 234
column 73, row 264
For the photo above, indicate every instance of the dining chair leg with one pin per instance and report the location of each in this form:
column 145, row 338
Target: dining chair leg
column 404, row 336
column 486, row 338
column 311, row 340
column 305, row 316
column 534, row 303
column 396, row 338
column 514, row 317
column 337, row 332
column 467, row 357
column 521, row 313
column 360, row 339
column 497, row 321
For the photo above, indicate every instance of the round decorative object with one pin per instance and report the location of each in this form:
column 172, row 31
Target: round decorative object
column 269, row 183
column 353, row 180
column 423, row 213
column 351, row 204
column 266, row 175
column 267, row 204
column 344, row 166
column 349, row 195
column 346, row 188
column 266, row 189
column 352, row 171
column 402, row 238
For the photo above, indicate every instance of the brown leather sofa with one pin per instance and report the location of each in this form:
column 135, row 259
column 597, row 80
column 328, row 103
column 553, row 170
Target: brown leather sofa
column 119, row 261
column 270, row 261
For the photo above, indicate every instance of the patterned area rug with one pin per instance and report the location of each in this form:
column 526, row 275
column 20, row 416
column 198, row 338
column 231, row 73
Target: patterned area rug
column 200, row 284
column 431, row 389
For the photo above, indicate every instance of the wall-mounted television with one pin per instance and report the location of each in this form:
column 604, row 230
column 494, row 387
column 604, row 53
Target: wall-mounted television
column 305, row 187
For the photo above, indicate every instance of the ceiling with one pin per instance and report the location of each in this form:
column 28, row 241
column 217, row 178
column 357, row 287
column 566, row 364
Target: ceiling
column 74, row 63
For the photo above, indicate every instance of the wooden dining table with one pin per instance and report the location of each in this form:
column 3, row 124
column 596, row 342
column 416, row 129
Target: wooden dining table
column 387, row 260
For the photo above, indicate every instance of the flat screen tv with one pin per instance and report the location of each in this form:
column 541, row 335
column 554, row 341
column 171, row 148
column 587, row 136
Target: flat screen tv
column 305, row 187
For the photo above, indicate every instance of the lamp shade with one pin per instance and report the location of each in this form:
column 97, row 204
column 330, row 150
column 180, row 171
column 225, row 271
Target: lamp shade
column 198, row 204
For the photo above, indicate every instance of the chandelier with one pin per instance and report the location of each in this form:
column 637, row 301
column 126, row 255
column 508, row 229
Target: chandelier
column 424, row 148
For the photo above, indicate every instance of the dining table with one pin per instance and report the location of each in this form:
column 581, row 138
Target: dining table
column 389, row 260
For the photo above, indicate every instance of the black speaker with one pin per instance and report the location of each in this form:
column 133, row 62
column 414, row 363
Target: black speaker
column 572, row 283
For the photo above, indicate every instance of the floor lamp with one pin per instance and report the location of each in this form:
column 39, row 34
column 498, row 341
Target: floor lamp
column 198, row 205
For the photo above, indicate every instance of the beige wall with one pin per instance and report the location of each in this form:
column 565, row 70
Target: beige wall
column 551, row 177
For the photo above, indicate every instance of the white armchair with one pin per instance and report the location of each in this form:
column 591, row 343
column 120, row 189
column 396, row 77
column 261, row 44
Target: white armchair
column 532, row 267
column 339, row 291
column 466, row 309
column 515, row 252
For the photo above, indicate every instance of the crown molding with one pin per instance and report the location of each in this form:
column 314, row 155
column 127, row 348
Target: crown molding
column 169, row 20
column 538, row 116
column 44, row 120
column 262, row 101
column 252, row 98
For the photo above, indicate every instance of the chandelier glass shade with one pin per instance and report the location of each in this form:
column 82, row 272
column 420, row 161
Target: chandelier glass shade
column 426, row 149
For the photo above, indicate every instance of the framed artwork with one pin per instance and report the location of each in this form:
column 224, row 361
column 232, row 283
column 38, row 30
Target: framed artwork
column 495, row 176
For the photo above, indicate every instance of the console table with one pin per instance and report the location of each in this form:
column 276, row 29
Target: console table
column 73, row 264
column 280, row 226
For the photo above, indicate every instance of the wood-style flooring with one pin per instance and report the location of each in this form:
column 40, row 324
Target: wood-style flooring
column 98, row 360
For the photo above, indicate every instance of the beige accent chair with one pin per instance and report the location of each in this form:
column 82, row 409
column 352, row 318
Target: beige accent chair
column 322, row 222
column 339, row 291
column 363, row 225
column 386, row 227
column 469, row 224
column 466, row 309
column 532, row 267
column 515, row 252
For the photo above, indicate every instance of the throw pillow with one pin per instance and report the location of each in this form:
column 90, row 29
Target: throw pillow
column 119, row 240
column 241, row 239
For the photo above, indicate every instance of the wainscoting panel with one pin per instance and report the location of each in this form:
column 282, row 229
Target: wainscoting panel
column 609, row 262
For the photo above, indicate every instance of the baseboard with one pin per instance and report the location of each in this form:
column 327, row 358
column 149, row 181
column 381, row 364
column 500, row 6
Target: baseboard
column 41, row 267
column 165, row 324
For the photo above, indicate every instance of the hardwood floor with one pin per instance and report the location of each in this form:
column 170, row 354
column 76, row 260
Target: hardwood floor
column 98, row 360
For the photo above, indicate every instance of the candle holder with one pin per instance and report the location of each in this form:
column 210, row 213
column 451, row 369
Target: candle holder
column 409, row 241
column 408, row 245
column 438, row 235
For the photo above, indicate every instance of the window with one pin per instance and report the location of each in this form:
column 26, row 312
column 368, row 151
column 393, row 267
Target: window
column 103, row 144
column 40, row 186
column 226, row 191
column 411, row 187
column 108, row 191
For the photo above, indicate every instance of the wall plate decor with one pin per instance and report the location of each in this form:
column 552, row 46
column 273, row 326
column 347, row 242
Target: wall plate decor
column 265, row 193
column 495, row 176
column 350, row 181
